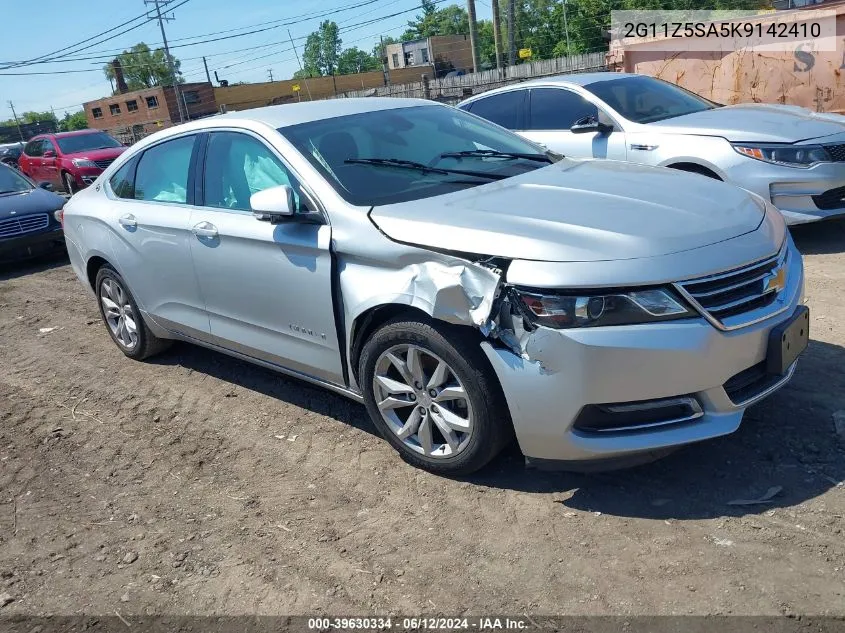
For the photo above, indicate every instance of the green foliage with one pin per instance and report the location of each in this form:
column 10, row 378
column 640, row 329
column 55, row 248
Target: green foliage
column 75, row 121
column 322, row 51
column 353, row 60
column 144, row 68
column 450, row 20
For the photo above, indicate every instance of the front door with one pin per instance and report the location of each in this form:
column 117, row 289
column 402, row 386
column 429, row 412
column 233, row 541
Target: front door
column 267, row 288
column 552, row 111
column 151, row 236
column 49, row 163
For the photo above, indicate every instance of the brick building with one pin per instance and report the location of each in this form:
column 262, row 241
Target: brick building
column 445, row 52
column 129, row 116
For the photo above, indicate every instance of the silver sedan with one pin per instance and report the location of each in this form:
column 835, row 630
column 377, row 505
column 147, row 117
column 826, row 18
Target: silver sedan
column 463, row 284
column 790, row 156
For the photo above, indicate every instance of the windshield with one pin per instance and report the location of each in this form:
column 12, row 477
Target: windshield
column 12, row 182
column 86, row 142
column 645, row 99
column 381, row 157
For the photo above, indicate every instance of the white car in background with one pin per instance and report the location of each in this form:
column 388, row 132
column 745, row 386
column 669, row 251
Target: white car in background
column 791, row 156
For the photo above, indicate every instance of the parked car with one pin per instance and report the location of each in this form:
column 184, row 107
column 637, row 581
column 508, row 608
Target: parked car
column 450, row 275
column 30, row 217
column 9, row 154
column 791, row 156
column 71, row 160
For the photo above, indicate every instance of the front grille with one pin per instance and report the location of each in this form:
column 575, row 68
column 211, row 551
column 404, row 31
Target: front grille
column 749, row 383
column 831, row 199
column 27, row 224
column 102, row 164
column 735, row 292
column 837, row 152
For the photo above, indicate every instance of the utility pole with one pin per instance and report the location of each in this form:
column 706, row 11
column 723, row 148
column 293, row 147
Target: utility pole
column 17, row 123
column 473, row 35
column 207, row 74
column 384, row 61
column 170, row 67
column 298, row 61
column 511, row 34
column 270, row 71
column 566, row 28
column 497, row 33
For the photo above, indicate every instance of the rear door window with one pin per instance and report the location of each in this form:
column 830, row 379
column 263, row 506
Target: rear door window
column 123, row 182
column 163, row 171
column 505, row 109
column 34, row 148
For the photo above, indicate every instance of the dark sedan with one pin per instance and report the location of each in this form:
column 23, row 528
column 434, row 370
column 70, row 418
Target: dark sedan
column 28, row 222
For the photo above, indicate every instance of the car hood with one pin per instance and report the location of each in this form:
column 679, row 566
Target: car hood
column 17, row 205
column 577, row 211
column 98, row 154
column 756, row 122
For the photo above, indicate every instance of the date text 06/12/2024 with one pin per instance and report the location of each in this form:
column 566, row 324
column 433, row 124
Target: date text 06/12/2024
column 417, row 623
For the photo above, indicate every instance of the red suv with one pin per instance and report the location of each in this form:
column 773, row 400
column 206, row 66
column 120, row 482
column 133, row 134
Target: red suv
column 72, row 160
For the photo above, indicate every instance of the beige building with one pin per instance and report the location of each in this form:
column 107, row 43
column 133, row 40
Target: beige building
column 445, row 52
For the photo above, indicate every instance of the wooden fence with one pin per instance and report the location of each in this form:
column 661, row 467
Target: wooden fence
column 453, row 89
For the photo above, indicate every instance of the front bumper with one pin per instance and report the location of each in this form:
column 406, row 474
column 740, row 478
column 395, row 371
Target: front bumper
column 32, row 244
column 85, row 176
column 795, row 191
column 574, row 369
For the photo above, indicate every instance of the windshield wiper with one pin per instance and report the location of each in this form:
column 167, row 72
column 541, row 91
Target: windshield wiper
column 496, row 154
column 410, row 164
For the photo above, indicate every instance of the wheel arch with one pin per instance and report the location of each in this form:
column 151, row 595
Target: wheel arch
column 93, row 266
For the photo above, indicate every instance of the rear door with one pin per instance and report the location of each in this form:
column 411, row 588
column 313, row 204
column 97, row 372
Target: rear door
column 552, row 111
column 151, row 235
column 267, row 288
column 30, row 160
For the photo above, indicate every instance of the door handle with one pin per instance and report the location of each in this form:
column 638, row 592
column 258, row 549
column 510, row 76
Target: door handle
column 205, row 229
column 128, row 221
column 645, row 148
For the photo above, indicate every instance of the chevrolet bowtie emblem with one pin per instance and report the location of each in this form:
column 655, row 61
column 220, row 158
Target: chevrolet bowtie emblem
column 776, row 281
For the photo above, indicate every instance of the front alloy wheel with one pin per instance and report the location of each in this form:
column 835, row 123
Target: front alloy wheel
column 422, row 401
column 118, row 312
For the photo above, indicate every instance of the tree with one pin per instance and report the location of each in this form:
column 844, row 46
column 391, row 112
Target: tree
column 450, row 20
column 144, row 68
column 75, row 121
column 321, row 52
column 353, row 60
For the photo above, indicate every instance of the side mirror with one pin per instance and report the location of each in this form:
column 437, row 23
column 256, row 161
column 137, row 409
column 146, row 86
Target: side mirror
column 48, row 154
column 273, row 205
column 590, row 124
column 45, row 185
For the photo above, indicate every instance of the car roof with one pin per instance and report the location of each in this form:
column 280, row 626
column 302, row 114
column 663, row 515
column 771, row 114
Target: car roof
column 307, row 111
column 575, row 79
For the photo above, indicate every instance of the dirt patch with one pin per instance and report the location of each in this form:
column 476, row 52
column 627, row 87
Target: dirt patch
column 200, row 484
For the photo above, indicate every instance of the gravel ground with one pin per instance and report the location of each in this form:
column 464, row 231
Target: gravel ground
column 199, row 484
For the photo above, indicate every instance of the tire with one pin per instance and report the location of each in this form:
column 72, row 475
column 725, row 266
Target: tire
column 468, row 447
column 69, row 184
column 109, row 288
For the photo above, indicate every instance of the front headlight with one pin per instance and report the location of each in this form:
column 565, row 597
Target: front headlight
column 613, row 308
column 83, row 162
column 791, row 155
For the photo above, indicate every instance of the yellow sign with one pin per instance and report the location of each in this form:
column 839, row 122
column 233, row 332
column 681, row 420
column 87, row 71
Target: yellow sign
column 524, row 53
column 295, row 87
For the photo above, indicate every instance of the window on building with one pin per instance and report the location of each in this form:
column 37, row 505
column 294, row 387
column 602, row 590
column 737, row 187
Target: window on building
column 409, row 58
column 97, row 113
column 191, row 96
column 396, row 60
column 114, row 108
column 132, row 105
column 152, row 102
column 424, row 55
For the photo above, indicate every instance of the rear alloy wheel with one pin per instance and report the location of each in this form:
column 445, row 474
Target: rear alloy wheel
column 123, row 320
column 432, row 394
column 70, row 184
